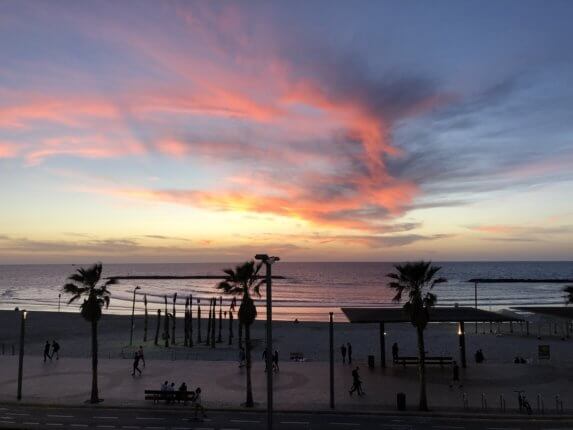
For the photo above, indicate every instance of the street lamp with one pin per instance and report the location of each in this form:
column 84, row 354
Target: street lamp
column 268, row 261
column 132, row 316
column 21, row 358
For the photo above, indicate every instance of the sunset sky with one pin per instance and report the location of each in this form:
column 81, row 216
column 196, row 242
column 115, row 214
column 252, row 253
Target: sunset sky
column 141, row 131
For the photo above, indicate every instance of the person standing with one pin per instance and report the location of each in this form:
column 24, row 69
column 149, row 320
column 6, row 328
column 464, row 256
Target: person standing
column 456, row 375
column 197, row 404
column 395, row 351
column 343, row 353
column 56, row 349
column 349, row 351
column 47, row 351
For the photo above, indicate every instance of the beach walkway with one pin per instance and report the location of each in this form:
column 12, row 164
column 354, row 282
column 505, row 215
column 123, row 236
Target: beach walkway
column 298, row 386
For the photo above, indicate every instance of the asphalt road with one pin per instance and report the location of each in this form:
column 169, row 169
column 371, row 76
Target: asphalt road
column 39, row 417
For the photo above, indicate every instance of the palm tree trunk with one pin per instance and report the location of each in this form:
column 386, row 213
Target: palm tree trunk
column 190, row 320
column 249, row 403
column 166, row 325
column 198, row 321
column 214, row 323
column 208, row 339
column 158, row 326
column 230, row 327
column 174, row 320
column 95, row 394
column 422, row 369
column 220, row 336
column 186, row 323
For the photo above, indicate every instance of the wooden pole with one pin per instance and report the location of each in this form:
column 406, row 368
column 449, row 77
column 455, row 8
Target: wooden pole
column 382, row 346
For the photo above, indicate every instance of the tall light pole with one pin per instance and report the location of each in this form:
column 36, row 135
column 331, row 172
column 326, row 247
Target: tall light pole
column 132, row 317
column 21, row 358
column 268, row 261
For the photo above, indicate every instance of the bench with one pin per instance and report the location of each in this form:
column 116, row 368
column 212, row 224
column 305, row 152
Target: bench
column 169, row 396
column 429, row 360
column 297, row 356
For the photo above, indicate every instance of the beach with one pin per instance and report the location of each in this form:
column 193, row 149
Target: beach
column 217, row 370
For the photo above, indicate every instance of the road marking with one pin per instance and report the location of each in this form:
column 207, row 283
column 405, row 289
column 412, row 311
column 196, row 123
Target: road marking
column 148, row 418
column 60, row 416
column 245, row 421
column 295, row 422
column 107, row 418
column 15, row 414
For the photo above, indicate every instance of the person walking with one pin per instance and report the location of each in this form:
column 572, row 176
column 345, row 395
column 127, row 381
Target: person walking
column 265, row 358
column 349, row 351
column 276, row 361
column 56, row 349
column 47, row 351
column 141, row 357
column 136, row 359
column 197, row 404
column 395, row 351
column 356, row 383
column 343, row 353
column 182, row 393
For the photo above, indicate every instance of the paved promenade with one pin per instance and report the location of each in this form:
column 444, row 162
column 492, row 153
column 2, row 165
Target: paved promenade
column 298, row 386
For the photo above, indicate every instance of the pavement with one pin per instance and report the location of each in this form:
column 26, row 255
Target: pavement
column 298, row 386
column 181, row 418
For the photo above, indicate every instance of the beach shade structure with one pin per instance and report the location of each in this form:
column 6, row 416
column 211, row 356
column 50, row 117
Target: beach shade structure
column 456, row 314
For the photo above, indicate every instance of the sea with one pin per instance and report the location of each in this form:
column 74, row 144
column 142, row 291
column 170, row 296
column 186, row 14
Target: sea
column 308, row 292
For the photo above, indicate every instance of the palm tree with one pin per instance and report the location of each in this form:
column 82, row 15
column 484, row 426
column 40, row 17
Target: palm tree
column 145, row 320
column 244, row 280
column 85, row 283
column 568, row 290
column 416, row 280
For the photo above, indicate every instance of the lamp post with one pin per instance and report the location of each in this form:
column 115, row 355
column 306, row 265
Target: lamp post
column 268, row 261
column 132, row 316
column 21, row 358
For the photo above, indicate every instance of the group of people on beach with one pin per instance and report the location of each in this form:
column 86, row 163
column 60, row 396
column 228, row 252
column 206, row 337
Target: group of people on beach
column 346, row 351
column 51, row 350
column 181, row 395
column 137, row 357
column 275, row 360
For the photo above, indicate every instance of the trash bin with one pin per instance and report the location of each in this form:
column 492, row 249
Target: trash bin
column 401, row 401
column 371, row 361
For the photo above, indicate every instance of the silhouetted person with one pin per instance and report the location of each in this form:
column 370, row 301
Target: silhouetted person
column 56, row 349
column 276, row 361
column 343, row 353
column 455, row 375
column 165, row 386
column 395, row 351
column 197, row 404
column 182, row 393
column 141, row 357
column 349, row 350
column 356, row 383
column 47, row 351
column 136, row 359
column 265, row 358
column 479, row 356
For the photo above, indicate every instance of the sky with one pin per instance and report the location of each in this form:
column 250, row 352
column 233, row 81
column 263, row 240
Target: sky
column 202, row 131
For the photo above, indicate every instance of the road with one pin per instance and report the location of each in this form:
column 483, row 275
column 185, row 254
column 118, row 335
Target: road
column 39, row 417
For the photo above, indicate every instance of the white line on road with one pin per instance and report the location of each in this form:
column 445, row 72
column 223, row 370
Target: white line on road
column 245, row 421
column 60, row 416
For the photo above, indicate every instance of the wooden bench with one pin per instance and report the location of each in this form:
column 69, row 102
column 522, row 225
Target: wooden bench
column 169, row 396
column 297, row 356
column 404, row 361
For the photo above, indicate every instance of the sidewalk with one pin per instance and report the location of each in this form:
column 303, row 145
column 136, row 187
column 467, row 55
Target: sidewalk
column 298, row 386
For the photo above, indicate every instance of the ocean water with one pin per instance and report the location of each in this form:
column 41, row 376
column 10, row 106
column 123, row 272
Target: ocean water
column 308, row 292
